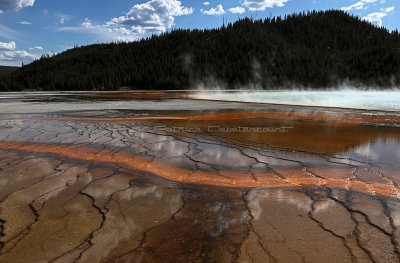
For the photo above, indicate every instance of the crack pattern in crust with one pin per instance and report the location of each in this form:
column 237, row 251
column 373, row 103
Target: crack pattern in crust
column 116, row 190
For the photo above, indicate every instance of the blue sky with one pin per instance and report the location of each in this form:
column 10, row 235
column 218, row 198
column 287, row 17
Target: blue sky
column 30, row 28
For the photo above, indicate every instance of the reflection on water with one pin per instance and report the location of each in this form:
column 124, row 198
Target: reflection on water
column 382, row 151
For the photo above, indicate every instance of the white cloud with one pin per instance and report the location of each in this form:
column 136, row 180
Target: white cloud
column 36, row 48
column 387, row 9
column 237, row 10
column 254, row 5
column 357, row 6
column 14, row 5
column 24, row 23
column 214, row 11
column 363, row 4
column 7, row 46
column 206, row 3
column 376, row 17
column 15, row 58
column 152, row 17
column 62, row 18
column 87, row 23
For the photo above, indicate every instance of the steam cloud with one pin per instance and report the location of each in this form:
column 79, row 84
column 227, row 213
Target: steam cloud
column 344, row 98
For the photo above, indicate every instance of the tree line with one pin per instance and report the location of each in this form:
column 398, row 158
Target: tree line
column 313, row 50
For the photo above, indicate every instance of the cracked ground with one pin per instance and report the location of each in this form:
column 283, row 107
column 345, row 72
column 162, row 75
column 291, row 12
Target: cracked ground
column 263, row 184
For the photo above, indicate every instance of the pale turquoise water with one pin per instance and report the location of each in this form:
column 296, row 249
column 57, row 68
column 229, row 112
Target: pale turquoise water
column 371, row 100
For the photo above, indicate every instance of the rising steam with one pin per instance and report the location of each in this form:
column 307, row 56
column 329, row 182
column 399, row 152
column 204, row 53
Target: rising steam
column 343, row 98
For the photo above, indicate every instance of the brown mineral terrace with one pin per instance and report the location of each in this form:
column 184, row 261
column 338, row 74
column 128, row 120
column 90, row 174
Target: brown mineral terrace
column 340, row 119
column 325, row 133
column 136, row 95
column 326, row 177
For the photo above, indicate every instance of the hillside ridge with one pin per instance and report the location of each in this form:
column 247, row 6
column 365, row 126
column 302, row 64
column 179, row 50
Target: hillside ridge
column 312, row 50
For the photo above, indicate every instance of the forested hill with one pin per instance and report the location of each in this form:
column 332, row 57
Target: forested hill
column 314, row 50
column 4, row 70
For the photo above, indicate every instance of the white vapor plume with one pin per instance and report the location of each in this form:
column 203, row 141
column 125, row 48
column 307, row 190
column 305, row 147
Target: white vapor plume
column 342, row 98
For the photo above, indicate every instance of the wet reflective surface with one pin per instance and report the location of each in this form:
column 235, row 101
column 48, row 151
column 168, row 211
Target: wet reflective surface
column 344, row 98
column 140, row 180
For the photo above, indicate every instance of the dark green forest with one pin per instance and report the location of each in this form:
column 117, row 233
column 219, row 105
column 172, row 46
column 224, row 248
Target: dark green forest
column 311, row 50
column 4, row 70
